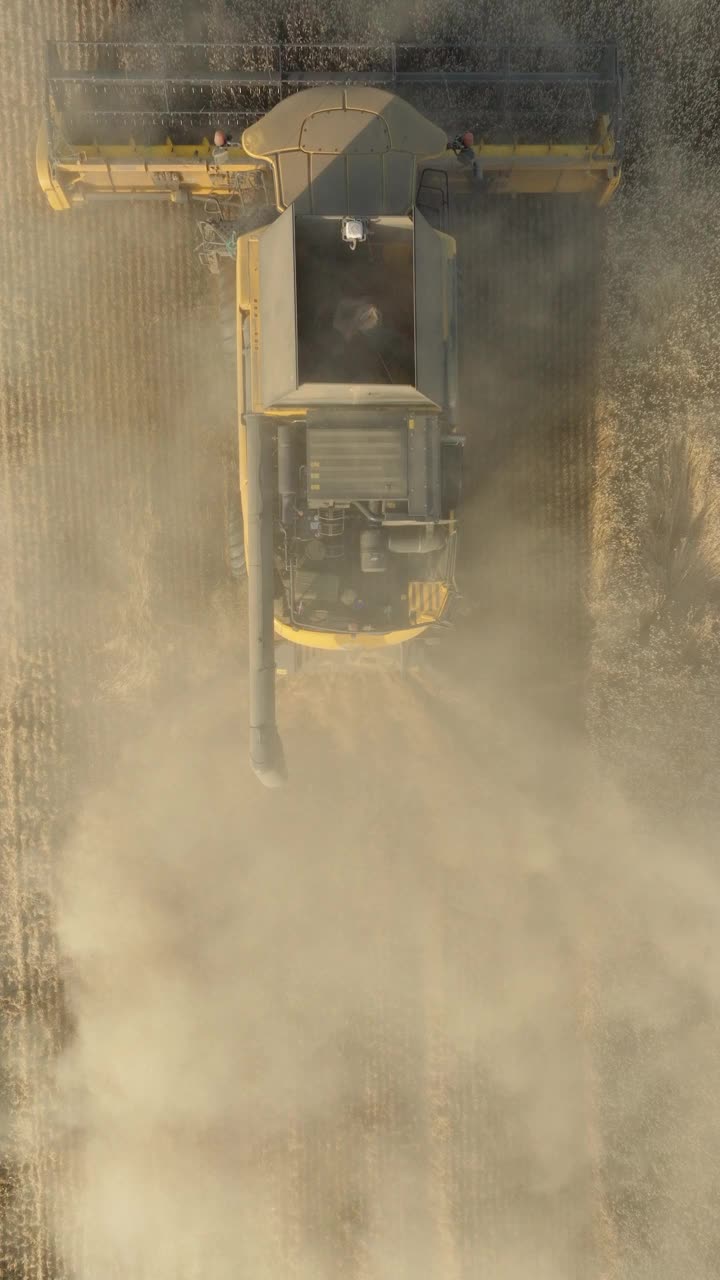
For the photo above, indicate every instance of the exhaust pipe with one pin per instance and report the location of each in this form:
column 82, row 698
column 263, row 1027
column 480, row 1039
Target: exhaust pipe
column 266, row 753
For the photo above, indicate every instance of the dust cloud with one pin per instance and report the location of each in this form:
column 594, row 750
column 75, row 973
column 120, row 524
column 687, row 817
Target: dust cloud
column 448, row 1006
column 446, row 1003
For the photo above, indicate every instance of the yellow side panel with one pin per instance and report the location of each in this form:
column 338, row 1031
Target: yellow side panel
column 552, row 182
column 243, row 272
column 240, row 261
column 427, row 600
column 556, row 169
column 254, row 309
column 54, row 193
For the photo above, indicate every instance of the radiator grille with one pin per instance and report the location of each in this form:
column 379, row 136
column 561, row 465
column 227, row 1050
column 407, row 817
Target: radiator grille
column 346, row 464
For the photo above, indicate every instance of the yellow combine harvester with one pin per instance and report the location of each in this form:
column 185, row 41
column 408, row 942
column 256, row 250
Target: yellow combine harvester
column 329, row 175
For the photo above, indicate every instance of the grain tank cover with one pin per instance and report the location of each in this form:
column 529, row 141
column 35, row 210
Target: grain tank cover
column 344, row 150
column 310, row 351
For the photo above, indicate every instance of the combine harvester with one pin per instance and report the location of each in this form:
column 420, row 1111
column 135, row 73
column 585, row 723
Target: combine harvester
column 346, row 184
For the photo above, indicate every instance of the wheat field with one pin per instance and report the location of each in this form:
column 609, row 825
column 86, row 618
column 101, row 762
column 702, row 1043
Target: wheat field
column 448, row 1007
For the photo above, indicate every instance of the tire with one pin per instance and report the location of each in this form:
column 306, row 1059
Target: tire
column 228, row 314
column 235, row 536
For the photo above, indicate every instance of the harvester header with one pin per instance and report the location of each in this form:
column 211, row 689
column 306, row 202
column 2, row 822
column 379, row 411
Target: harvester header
column 139, row 120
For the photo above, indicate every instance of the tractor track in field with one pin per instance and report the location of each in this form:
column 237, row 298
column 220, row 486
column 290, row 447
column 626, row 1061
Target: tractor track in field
column 90, row 620
column 94, row 381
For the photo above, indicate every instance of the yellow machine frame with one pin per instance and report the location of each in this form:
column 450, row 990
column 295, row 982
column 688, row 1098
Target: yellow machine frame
column 178, row 173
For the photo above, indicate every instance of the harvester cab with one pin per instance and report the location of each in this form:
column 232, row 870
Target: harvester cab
column 334, row 192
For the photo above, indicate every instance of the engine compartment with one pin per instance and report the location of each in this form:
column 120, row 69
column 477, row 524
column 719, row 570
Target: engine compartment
column 362, row 522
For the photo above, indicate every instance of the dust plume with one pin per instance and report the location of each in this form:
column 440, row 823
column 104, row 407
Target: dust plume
column 448, row 1007
column 371, row 1029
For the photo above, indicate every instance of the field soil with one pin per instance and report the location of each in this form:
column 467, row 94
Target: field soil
column 447, row 1006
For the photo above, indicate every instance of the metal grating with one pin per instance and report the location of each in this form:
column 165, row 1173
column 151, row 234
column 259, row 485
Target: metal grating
column 348, row 464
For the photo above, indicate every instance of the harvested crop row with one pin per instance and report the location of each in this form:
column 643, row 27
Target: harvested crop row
column 529, row 317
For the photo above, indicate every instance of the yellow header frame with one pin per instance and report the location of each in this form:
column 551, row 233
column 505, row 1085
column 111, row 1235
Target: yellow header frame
column 178, row 173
